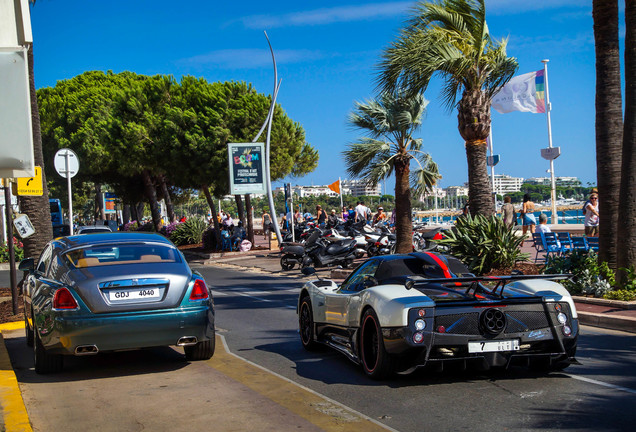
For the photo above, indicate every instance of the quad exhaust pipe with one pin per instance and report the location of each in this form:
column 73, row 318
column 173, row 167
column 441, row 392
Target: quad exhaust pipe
column 86, row 350
column 187, row 341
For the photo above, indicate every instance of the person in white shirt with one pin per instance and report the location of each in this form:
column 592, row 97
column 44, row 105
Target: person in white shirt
column 361, row 212
column 543, row 224
column 591, row 217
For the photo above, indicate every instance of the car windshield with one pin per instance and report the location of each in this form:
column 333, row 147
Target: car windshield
column 136, row 253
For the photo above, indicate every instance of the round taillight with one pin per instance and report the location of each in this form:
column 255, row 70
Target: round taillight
column 418, row 337
column 63, row 299
column 420, row 324
column 441, row 329
column 567, row 331
column 421, row 312
column 562, row 318
column 199, row 290
column 557, row 306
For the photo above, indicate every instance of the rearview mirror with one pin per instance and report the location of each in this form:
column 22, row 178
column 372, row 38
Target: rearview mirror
column 27, row 264
column 308, row 271
column 370, row 281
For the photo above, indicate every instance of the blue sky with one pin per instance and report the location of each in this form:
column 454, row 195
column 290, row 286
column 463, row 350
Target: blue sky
column 326, row 53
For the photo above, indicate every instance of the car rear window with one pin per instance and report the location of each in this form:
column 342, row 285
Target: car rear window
column 102, row 255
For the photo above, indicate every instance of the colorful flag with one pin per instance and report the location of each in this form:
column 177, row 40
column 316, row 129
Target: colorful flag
column 335, row 186
column 524, row 93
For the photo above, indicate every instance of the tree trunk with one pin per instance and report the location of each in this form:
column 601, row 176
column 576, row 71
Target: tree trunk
column 99, row 203
column 140, row 206
column 240, row 209
column 403, row 223
column 36, row 207
column 217, row 229
column 250, row 219
column 609, row 124
column 167, row 199
column 626, row 242
column 125, row 214
column 474, row 126
column 151, row 194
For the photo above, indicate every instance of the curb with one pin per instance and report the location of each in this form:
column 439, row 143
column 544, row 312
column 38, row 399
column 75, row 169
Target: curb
column 14, row 413
column 623, row 323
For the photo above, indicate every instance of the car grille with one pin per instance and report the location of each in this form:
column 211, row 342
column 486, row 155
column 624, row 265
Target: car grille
column 516, row 321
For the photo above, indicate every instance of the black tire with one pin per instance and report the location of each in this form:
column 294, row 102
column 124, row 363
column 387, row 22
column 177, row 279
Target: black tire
column 376, row 362
column 203, row 350
column 287, row 262
column 28, row 330
column 45, row 363
column 306, row 324
column 348, row 264
column 371, row 252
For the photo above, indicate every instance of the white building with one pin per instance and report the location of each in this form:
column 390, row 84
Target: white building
column 360, row 188
column 507, row 184
column 305, row 191
column 455, row 191
column 560, row 181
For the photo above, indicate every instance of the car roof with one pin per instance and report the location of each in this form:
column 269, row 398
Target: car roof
column 119, row 237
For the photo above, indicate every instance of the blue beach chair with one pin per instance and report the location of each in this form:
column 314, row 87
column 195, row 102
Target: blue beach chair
column 565, row 240
column 579, row 243
column 551, row 244
column 592, row 243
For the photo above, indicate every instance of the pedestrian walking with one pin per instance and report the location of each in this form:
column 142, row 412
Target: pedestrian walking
column 321, row 216
column 508, row 212
column 591, row 217
column 527, row 214
column 267, row 224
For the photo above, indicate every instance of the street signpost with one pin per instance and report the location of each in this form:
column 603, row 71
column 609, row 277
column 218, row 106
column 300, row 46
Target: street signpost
column 31, row 186
column 67, row 165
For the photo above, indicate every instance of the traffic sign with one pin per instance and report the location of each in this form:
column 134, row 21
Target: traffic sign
column 31, row 186
column 66, row 163
column 23, row 226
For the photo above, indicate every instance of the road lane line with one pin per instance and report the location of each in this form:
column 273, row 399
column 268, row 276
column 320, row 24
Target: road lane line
column 256, row 298
column 316, row 408
column 601, row 383
column 14, row 413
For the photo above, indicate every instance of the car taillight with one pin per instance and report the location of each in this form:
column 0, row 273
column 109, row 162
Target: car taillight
column 63, row 299
column 438, row 236
column 199, row 290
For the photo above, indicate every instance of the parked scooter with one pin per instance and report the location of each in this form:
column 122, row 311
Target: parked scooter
column 293, row 254
column 322, row 253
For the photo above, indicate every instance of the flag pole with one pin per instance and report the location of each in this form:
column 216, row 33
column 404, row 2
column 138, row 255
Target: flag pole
column 492, row 167
column 340, row 193
column 548, row 108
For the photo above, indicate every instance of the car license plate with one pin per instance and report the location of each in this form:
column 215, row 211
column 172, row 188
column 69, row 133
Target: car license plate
column 133, row 294
column 493, row 346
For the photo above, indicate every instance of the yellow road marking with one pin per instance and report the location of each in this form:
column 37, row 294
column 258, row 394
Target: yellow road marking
column 14, row 412
column 317, row 409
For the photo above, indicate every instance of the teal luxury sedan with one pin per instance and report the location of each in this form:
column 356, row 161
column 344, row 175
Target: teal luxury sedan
column 106, row 292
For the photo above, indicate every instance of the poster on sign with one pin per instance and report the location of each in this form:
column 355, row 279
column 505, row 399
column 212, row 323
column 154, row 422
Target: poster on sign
column 247, row 168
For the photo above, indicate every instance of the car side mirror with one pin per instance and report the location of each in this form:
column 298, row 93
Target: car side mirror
column 308, row 271
column 27, row 264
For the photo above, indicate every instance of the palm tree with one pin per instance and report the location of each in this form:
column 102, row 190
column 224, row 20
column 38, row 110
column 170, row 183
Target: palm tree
column 36, row 207
column 451, row 38
column 626, row 241
column 390, row 146
column 609, row 124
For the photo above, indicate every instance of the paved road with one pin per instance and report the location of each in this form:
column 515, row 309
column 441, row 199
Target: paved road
column 155, row 389
column 257, row 314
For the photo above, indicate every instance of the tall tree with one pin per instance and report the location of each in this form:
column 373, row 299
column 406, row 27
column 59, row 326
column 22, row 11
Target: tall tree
column 626, row 241
column 36, row 207
column 609, row 124
column 390, row 123
column 450, row 38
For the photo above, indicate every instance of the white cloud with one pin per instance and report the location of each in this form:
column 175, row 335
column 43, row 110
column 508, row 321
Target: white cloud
column 328, row 15
column 249, row 58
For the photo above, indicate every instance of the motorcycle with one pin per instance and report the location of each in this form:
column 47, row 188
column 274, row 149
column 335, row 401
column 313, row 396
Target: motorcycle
column 322, row 253
column 293, row 254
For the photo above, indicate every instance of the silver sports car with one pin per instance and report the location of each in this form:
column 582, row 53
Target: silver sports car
column 106, row 292
column 399, row 312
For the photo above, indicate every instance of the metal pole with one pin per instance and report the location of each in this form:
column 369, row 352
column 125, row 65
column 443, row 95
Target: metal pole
column 548, row 108
column 67, row 155
column 492, row 168
column 9, row 218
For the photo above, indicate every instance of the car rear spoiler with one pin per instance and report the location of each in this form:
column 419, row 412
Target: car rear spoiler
column 475, row 285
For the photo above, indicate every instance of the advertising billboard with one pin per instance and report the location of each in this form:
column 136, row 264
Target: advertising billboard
column 247, row 168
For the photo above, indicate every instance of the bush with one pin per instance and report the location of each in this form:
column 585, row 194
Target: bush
column 18, row 250
column 484, row 243
column 189, row 232
column 588, row 276
column 168, row 230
